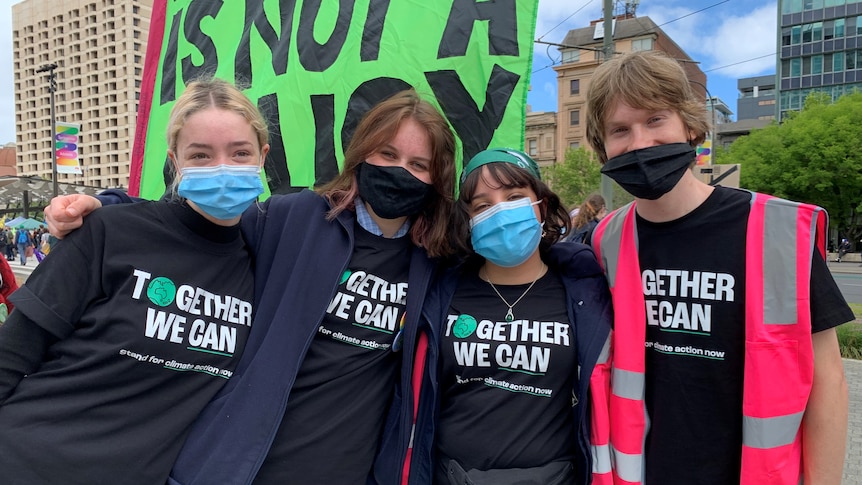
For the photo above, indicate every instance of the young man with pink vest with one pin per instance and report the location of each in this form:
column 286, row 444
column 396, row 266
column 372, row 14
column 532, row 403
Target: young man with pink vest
column 724, row 366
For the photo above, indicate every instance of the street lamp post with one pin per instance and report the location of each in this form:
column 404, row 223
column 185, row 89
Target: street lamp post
column 52, row 87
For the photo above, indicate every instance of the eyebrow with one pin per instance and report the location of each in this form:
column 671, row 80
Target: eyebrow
column 391, row 147
column 231, row 144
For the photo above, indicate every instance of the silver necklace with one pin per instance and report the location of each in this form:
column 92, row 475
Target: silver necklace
column 509, row 315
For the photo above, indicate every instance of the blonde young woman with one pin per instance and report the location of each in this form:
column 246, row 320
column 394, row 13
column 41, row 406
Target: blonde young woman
column 122, row 336
column 341, row 274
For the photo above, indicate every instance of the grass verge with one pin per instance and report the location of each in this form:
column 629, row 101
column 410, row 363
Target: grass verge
column 850, row 335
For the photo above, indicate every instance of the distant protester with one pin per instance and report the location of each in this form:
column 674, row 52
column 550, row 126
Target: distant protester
column 587, row 218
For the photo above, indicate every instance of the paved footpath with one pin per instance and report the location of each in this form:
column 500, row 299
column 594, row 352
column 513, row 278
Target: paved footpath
column 853, row 460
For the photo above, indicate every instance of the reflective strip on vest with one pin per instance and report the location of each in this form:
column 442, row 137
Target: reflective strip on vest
column 628, row 385
column 770, row 432
column 779, row 264
column 601, row 459
column 600, row 427
column 629, row 468
column 781, row 237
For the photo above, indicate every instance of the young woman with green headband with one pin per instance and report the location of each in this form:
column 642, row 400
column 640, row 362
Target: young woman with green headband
column 513, row 333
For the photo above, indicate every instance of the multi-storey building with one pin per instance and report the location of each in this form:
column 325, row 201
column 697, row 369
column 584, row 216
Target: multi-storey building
column 582, row 52
column 820, row 50
column 540, row 136
column 756, row 98
column 98, row 47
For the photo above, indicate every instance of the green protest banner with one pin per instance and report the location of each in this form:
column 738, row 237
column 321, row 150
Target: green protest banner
column 315, row 67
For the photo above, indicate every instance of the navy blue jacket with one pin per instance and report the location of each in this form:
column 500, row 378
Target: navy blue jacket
column 589, row 308
column 299, row 257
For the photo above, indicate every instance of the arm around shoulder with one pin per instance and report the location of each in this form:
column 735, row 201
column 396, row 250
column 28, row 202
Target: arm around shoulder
column 824, row 426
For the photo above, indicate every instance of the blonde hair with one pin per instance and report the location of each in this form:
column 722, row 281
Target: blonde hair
column 214, row 93
column 378, row 127
column 648, row 80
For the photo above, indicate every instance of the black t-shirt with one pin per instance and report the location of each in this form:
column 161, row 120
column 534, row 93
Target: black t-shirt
column 335, row 403
column 693, row 275
column 151, row 306
column 506, row 387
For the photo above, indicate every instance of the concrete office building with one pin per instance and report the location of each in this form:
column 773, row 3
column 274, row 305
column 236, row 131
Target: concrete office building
column 582, row 54
column 756, row 98
column 98, row 47
column 820, row 50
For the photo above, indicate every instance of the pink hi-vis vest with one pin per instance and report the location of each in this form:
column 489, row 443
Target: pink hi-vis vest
column 779, row 358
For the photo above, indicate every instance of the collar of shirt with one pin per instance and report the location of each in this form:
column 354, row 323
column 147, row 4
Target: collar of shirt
column 367, row 222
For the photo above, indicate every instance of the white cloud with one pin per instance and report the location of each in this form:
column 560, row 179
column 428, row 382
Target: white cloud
column 724, row 37
column 744, row 38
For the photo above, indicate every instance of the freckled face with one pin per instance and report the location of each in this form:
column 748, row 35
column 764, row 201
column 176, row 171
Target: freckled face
column 628, row 129
column 410, row 149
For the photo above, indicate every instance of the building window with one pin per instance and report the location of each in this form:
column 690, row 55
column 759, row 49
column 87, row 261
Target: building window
column 642, row 44
column 574, row 118
column 533, row 144
column 837, row 63
column 817, row 64
column 575, row 87
column 573, row 55
column 574, row 145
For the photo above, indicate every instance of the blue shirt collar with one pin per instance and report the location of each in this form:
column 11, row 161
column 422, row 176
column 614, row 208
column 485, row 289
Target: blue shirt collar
column 367, row 222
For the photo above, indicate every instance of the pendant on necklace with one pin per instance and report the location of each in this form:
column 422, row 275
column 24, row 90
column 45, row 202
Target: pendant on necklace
column 509, row 315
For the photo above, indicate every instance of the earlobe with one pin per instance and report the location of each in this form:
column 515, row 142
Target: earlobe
column 173, row 158
column 264, row 150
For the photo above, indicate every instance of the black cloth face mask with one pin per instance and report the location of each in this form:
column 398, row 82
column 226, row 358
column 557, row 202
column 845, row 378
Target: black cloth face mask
column 392, row 192
column 651, row 172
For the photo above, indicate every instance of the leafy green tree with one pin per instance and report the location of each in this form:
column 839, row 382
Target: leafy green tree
column 813, row 156
column 578, row 176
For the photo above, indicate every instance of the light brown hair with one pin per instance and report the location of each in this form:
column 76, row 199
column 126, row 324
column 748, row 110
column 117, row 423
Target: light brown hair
column 588, row 210
column 648, row 80
column 430, row 229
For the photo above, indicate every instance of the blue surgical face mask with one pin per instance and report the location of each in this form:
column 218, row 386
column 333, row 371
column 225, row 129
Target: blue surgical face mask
column 507, row 233
column 224, row 191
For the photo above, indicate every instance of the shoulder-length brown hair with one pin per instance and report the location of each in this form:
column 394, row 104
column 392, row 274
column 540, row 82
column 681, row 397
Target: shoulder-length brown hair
column 378, row 127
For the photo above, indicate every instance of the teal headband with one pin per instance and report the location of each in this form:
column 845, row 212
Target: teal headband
column 505, row 155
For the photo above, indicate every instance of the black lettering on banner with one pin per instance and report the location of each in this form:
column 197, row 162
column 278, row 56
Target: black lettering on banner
column 314, row 56
column 278, row 43
column 474, row 122
column 169, row 63
column 475, row 128
column 370, row 47
column 502, row 27
column 325, row 164
column 198, row 9
column 275, row 165
column 365, row 97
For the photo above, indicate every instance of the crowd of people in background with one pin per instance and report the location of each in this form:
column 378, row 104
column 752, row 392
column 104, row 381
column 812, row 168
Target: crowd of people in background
column 20, row 243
